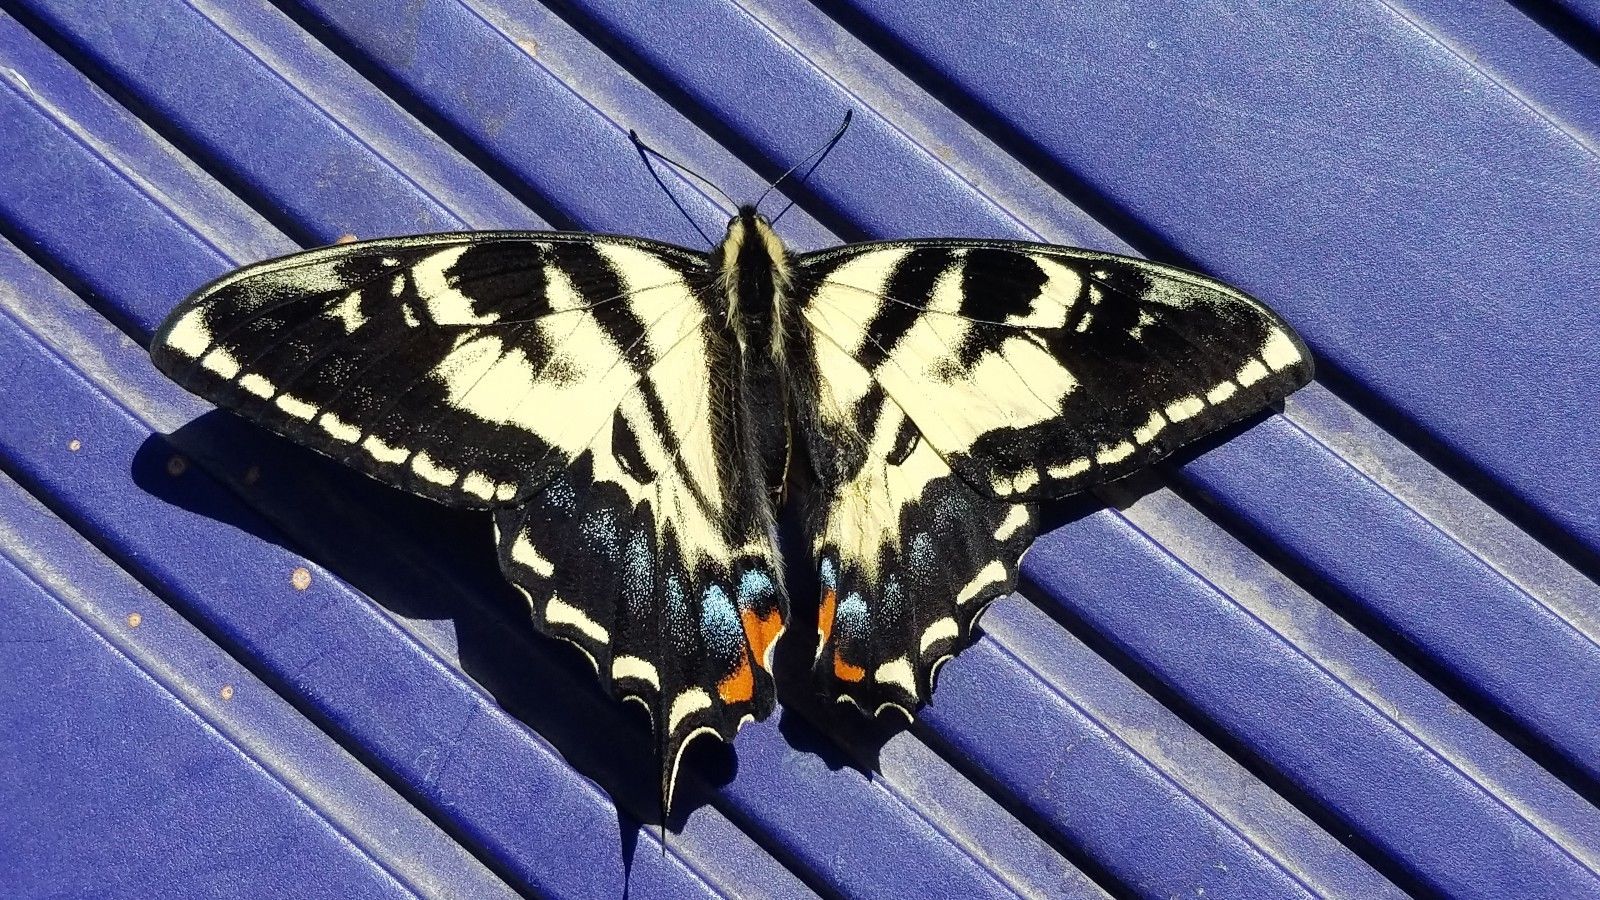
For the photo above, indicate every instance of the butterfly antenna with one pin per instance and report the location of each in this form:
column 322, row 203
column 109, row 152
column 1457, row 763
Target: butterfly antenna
column 646, row 152
column 815, row 159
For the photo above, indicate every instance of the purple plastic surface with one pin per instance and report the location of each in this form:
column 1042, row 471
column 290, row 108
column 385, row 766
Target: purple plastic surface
column 1350, row 650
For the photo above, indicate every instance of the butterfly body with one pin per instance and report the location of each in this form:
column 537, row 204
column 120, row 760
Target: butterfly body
column 631, row 413
column 753, row 276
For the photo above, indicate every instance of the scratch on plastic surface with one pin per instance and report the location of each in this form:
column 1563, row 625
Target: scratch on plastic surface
column 117, row 165
column 441, row 755
column 1450, row 47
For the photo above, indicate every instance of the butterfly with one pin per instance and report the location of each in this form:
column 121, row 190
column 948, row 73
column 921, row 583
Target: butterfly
column 631, row 413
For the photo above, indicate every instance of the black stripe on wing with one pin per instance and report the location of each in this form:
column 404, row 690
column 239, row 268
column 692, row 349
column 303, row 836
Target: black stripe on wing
column 1038, row 371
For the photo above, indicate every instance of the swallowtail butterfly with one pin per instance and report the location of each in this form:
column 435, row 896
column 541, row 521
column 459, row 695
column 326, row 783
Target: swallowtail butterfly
column 630, row 412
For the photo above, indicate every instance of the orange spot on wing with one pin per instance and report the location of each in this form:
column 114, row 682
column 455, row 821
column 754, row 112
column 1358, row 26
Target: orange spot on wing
column 760, row 631
column 845, row 671
column 740, row 686
column 830, row 601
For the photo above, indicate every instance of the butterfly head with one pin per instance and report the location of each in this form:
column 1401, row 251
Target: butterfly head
column 751, row 244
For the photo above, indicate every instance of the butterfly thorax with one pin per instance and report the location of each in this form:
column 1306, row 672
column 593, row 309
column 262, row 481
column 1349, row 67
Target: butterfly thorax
column 753, row 273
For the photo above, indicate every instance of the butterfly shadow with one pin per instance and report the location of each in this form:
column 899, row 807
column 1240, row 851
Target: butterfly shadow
column 434, row 571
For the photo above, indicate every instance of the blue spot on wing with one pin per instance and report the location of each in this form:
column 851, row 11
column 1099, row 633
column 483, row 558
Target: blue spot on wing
column 851, row 617
column 921, row 552
column 723, row 631
column 560, row 495
column 677, row 607
column 638, row 565
column 754, row 585
column 830, row 575
column 600, row 534
column 893, row 597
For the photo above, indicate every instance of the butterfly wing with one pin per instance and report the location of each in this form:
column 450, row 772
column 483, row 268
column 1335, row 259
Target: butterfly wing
column 566, row 381
column 972, row 378
column 908, row 552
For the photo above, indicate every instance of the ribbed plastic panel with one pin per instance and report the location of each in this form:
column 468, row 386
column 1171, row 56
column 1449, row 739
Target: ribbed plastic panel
column 1347, row 650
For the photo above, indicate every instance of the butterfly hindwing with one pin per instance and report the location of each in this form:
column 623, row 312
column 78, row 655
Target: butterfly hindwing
column 960, row 381
column 654, row 553
column 908, row 553
column 1037, row 371
column 573, row 383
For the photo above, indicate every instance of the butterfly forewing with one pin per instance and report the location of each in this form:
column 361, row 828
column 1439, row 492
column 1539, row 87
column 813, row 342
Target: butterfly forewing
column 957, row 382
column 1037, row 371
column 573, row 383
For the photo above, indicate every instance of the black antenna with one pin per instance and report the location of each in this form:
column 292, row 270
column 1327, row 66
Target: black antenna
column 818, row 155
column 646, row 151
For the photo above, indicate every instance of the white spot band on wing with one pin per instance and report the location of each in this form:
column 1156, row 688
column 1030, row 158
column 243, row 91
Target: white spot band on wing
column 1279, row 352
column 479, row 485
column 1186, row 408
column 523, row 551
column 1069, row 470
column 428, row 470
column 991, row 574
column 383, row 452
column 221, row 362
column 257, row 385
column 189, row 335
column 1221, row 392
column 1113, row 455
column 1016, row 517
column 685, row 705
column 1252, row 372
column 636, row 668
column 339, row 428
column 564, row 613
column 1147, row 432
column 898, row 673
column 940, row 630
column 296, row 407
